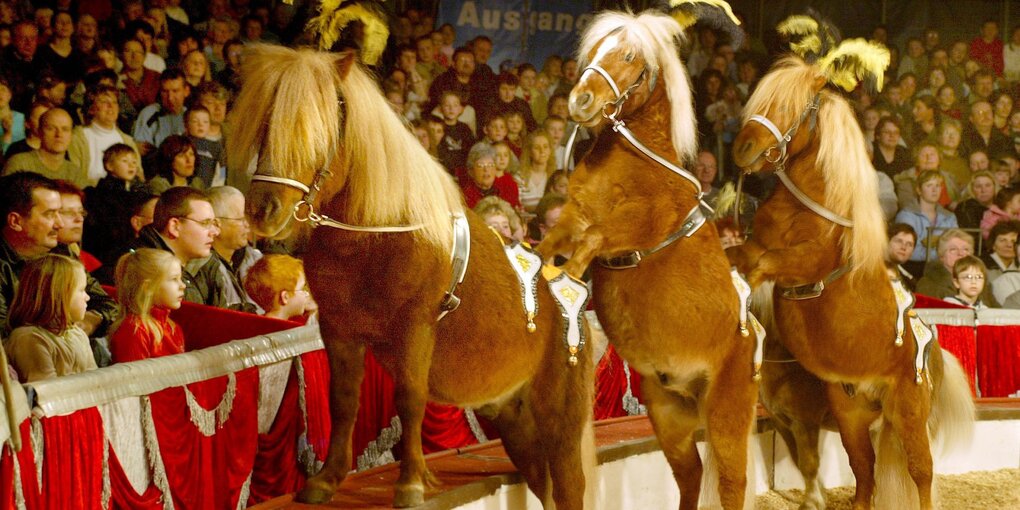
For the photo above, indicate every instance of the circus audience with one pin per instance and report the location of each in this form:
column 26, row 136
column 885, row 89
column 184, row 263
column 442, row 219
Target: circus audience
column 46, row 340
column 537, row 164
column 164, row 118
column 1001, row 255
column 497, row 213
column 480, row 180
column 210, row 161
column 1005, row 206
column 50, row 159
column 175, row 165
column 277, row 284
column 149, row 287
column 978, row 197
column 953, row 245
column 547, row 215
column 72, row 214
column 100, row 132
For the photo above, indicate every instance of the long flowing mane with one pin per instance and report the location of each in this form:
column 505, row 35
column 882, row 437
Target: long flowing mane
column 289, row 108
column 851, row 185
column 655, row 37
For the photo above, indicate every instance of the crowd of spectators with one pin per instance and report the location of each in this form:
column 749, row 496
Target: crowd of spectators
column 113, row 117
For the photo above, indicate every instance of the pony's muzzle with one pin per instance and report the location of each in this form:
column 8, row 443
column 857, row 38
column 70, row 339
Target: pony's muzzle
column 583, row 101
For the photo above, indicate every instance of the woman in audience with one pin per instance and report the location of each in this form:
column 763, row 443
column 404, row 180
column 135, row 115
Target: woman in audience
column 947, row 103
column 902, row 240
column 516, row 132
column 537, row 164
column 1002, row 108
column 196, row 69
column 175, row 165
column 496, row 213
column 1005, row 206
column 926, row 159
column 927, row 218
column 948, row 136
column 925, row 115
column 888, row 155
column 1001, row 249
column 60, row 55
column 51, row 299
column 979, row 197
column 149, row 286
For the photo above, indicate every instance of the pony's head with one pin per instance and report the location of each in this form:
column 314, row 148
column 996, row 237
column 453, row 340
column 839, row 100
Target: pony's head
column 625, row 58
column 287, row 121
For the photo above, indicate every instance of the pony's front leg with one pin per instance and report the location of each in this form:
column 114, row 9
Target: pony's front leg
column 587, row 248
column 798, row 262
column 411, row 388
column 745, row 256
column 854, row 422
column 347, row 364
column 560, row 240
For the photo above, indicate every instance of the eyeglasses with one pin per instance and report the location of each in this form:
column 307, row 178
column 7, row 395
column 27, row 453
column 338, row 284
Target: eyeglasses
column 209, row 224
column 485, row 165
column 74, row 213
column 972, row 277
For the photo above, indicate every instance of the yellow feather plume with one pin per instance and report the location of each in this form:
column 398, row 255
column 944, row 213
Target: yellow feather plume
column 332, row 19
column 798, row 24
column 725, row 201
column 854, row 60
column 809, row 44
column 687, row 18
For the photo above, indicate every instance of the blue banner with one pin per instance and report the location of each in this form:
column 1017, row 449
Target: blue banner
column 521, row 30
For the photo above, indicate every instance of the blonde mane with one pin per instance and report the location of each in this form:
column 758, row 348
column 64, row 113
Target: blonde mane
column 851, row 185
column 389, row 177
column 654, row 36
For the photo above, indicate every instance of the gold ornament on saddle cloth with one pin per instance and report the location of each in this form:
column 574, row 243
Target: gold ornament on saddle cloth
column 744, row 292
column 571, row 296
column 922, row 333
column 527, row 266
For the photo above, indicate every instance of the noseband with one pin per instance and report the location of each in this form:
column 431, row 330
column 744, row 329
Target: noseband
column 621, row 97
column 777, row 155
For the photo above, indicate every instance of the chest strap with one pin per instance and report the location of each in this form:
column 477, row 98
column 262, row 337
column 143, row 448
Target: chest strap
column 812, row 290
column 695, row 219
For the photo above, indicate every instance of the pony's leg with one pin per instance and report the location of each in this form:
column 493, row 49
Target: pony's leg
column 797, row 262
column 906, row 408
column 805, row 437
column 745, row 256
column 587, row 248
column 411, row 389
column 520, row 436
column 854, row 421
column 347, row 364
column 675, row 419
column 730, row 405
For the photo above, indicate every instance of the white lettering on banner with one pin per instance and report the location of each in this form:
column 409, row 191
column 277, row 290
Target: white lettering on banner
column 494, row 19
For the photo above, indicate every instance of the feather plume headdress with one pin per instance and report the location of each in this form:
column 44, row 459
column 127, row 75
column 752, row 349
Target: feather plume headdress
column 855, row 60
column 717, row 13
column 334, row 16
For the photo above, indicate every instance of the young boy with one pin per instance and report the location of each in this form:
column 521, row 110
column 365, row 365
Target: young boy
column 108, row 224
column 556, row 126
column 458, row 140
column 277, row 284
column 969, row 277
column 210, row 162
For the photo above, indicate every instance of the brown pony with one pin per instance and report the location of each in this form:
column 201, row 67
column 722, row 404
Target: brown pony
column 316, row 120
column 820, row 238
column 674, row 313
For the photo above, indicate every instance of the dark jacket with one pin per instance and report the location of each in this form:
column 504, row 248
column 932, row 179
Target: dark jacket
column 108, row 231
column 11, row 265
column 202, row 281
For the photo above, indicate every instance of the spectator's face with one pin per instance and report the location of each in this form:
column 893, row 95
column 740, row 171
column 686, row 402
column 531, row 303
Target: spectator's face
column 984, row 86
column 500, row 223
column 931, row 38
column 927, row 158
column 449, row 34
column 936, row 78
column 144, row 216
column 514, row 124
column 26, row 39
column 184, row 163
column 495, row 130
column 958, row 53
column 195, row 65
column 970, row 282
column 1003, row 106
column 124, row 166
column 436, row 132
column 506, row 92
column 41, row 227
column 556, row 130
column 186, row 45
column 990, row 30
column 234, row 228
column 133, row 11
column 195, row 239
column 234, row 54
column 145, row 39
column 561, row 186
column 5, row 96
column 981, row 115
column 870, row 119
column 252, row 30
column 930, row 190
column 464, row 64
column 422, row 134
column 552, row 217
column 483, row 172
column 1005, row 245
column 63, row 25
column 451, row 107
column 133, row 55
column 72, row 215
column 915, row 49
column 559, row 107
column 922, row 113
column 408, row 59
column 79, row 299
column 426, row 52
column 983, row 189
column 956, row 249
column 570, row 71
column 396, row 101
column 87, row 26
column 171, row 288
column 217, row 108
column 105, row 110
column 541, row 150
column 901, row 246
column 55, row 129
column 706, row 168
column 939, row 59
column 502, row 159
column 528, row 78
column 198, row 124
column 173, row 93
column 888, row 135
column 482, row 50
column 946, row 97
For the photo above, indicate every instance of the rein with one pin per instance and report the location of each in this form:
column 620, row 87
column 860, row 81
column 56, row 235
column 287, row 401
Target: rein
column 777, row 155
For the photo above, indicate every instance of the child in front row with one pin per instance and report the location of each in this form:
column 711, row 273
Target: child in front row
column 149, row 286
column 277, row 284
column 48, row 305
column 969, row 278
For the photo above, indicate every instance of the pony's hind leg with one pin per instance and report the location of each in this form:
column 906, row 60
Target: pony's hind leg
column 520, row 435
column 730, row 406
column 802, row 439
column 347, row 364
column 854, row 421
column 906, row 411
column 675, row 420
column 411, row 388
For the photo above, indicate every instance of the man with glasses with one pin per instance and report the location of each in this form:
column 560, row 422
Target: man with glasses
column 184, row 224
column 231, row 250
column 31, row 207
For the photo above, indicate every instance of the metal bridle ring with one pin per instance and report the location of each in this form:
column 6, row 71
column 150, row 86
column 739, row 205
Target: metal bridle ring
column 309, row 216
column 773, row 150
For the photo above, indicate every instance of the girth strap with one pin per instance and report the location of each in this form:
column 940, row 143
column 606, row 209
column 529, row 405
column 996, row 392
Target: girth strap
column 695, row 219
column 813, row 290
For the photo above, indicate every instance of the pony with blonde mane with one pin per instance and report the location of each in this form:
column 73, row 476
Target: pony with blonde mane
column 817, row 264
column 332, row 153
column 662, row 287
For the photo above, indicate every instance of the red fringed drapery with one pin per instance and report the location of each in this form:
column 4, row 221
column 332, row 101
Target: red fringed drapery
column 208, row 472
column 445, row 427
column 962, row 343
column 123, row 494
column 611, row 386
column 26, row 465
column 315, row 365
column 276, row 469
column 998, row 360
column 73, row 467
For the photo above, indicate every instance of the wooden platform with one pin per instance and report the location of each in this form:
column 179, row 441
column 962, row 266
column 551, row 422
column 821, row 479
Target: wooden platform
column 473, row 472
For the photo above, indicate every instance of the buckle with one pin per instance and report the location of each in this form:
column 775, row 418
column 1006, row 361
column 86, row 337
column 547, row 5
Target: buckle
column 800, row 292
column 626, row 261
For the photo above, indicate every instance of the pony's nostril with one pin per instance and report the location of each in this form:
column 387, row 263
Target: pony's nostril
column 584, row 100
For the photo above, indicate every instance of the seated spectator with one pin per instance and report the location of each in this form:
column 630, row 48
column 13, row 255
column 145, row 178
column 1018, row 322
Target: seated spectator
column 210, row 157
column 888, row 155
column 196, row 70
column 146, row 34
column 100, row 132
column 231, row 248
column 230, row 76
column 902, row 239
column 507, row 164
column 948, row 136
column 185, row 224
column 937, row 282
column 110, row 205
column 46, row 341
column 507, row 102
column 537, row 164
column 159, row 120
column 32, row 138
column 149, row 286
column 479, row 180
column 969, row 278
column 175, row 166
column 72, row 214
column 926, row 158
column 1001, row 256
column 529, row 92
column 547, row 215
column 559, row 183
column 496, row 213
column 277, row 284
column 50, row 159
column 1005, row 206
column 12, row 123
column 978, row 197
column 214, row 97
column 556, row 126
column 928, row 219
column 140, row 84
column 458, row 138
column 516, row 133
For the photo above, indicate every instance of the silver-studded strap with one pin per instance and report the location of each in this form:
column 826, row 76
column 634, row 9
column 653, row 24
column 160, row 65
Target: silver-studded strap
column 459, row 256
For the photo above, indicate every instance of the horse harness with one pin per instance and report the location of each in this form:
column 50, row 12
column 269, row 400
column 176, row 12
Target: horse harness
column 777, row 156
column 695, row 218
column 459, row 254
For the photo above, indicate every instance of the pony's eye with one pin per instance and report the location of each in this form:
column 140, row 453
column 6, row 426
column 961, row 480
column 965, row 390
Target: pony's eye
column 629, row 57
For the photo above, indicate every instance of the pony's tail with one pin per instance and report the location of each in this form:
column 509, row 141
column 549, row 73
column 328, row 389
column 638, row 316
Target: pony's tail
column 589, row 465
column 761, row 306
column 950, row 426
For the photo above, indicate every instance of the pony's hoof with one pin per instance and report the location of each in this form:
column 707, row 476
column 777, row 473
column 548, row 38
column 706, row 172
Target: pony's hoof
column 409, row 497
column 314, row 496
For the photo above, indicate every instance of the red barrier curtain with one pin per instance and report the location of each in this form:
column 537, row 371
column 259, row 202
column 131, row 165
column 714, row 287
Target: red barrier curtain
column 123, row 494
column 611, row 386
column 961, row 341
column 998, row 360
column 73, row 467
column 25, row 459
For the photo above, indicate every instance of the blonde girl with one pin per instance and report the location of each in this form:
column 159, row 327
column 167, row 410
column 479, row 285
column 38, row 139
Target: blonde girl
column 537, row 164
column 149, row 286
column 50, row 302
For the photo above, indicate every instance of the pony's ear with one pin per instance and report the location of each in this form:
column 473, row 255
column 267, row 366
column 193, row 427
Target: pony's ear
column 344, row 63
column 855, row 60
column 717, row 13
